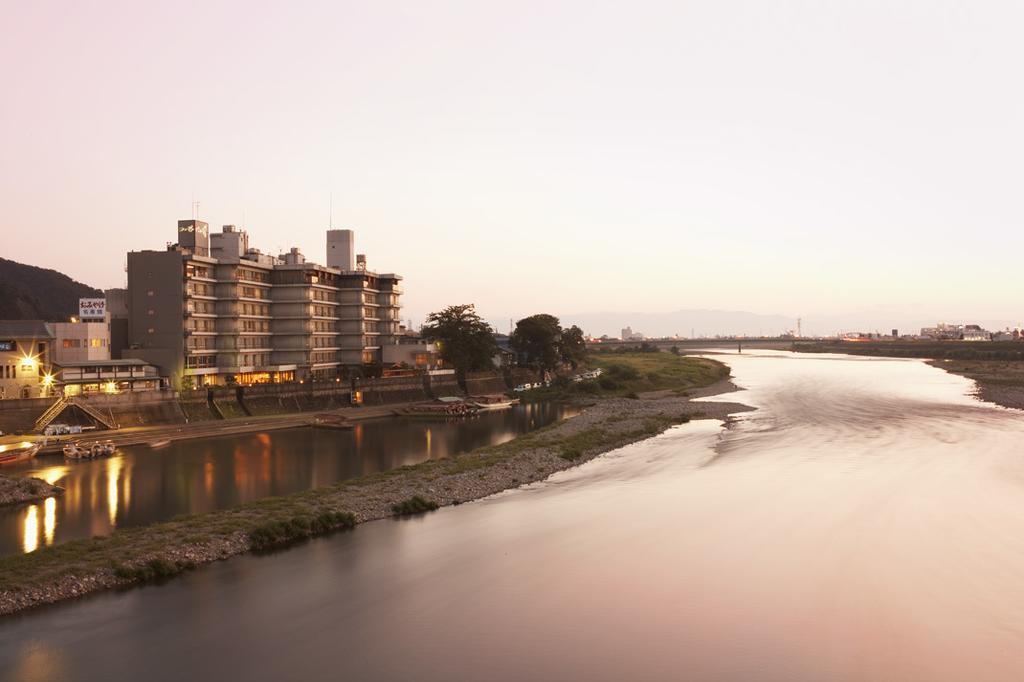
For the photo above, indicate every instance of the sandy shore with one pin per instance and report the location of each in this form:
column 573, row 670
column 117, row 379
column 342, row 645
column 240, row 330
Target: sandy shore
column 606, row 424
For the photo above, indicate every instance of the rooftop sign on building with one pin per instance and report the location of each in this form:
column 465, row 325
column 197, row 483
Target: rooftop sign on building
column 92, row 309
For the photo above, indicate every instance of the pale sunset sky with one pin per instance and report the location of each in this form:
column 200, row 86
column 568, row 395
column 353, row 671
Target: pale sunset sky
column 795, row 158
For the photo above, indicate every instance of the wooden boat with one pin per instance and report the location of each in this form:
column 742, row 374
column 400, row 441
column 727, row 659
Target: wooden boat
column 442, row 409
column 486, row 403
column 331, row 421
column 18, row 452
column 72, row 451
column 89, row 450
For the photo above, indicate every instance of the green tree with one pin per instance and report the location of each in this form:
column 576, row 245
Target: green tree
column 465, row 341
column 574, row 346
column 539, row 338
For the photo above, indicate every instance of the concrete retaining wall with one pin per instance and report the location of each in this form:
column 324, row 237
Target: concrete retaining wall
column 392, row 390
column 19, row 416
column 194, row 406
column 485, row 383
column 444, row 385
column 523, row 375
column 138, row 409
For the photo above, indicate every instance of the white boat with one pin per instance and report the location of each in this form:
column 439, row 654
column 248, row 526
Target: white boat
column 159, row 443
column 489, row 402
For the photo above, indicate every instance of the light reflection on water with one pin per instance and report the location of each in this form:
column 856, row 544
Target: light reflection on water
column 867, row 523
column 140, row 486
column 30, row 534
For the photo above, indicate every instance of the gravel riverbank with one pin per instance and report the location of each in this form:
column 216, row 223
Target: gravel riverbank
column 999, row 382
column 20, row 490
column 133, row 555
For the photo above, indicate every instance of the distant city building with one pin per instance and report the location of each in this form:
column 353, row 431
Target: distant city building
column 973, row 332
column 629, row 335
column 211, row 310
column 943, row 331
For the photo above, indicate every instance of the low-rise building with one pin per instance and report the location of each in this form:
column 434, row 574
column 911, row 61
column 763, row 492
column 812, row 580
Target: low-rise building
column 26, row 369
column 109, row 376
column 80, row 341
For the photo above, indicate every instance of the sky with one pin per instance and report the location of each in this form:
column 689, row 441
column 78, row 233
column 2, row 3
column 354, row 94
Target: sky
column 790, row 158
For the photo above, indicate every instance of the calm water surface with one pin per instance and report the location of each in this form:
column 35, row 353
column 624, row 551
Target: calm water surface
column 138, row 485
column 866, row 523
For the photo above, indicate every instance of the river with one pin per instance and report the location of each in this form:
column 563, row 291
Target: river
column 139, row 486
column 865, row 523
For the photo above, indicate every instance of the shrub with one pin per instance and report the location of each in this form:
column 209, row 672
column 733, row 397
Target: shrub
column 608, row 384
column 570, row 452
column 414, row 505
column 623, row 372
column 283, row 531
column 632, row 395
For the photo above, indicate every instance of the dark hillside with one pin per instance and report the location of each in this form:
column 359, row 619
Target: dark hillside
column 31, row 293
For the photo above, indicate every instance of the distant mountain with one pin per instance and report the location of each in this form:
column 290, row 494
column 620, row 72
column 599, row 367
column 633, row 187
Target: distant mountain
column 31, row 293
column 682, row 322
column 696, row 323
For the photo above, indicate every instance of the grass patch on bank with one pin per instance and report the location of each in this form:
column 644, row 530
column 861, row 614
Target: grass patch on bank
column 414, row 505
column 630, row 374
column 635, row 373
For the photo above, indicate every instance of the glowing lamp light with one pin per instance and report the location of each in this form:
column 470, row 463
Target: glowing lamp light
column 29, row 361
column 110, row 387
column 47, row 379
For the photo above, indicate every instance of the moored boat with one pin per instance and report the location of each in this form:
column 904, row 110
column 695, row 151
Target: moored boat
column 492, row 402
column 442, row 408
column 89, row 450
column 18, row 452
column 159, row 443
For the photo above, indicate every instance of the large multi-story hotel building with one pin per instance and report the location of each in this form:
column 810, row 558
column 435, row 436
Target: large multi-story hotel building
column 211, row 310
